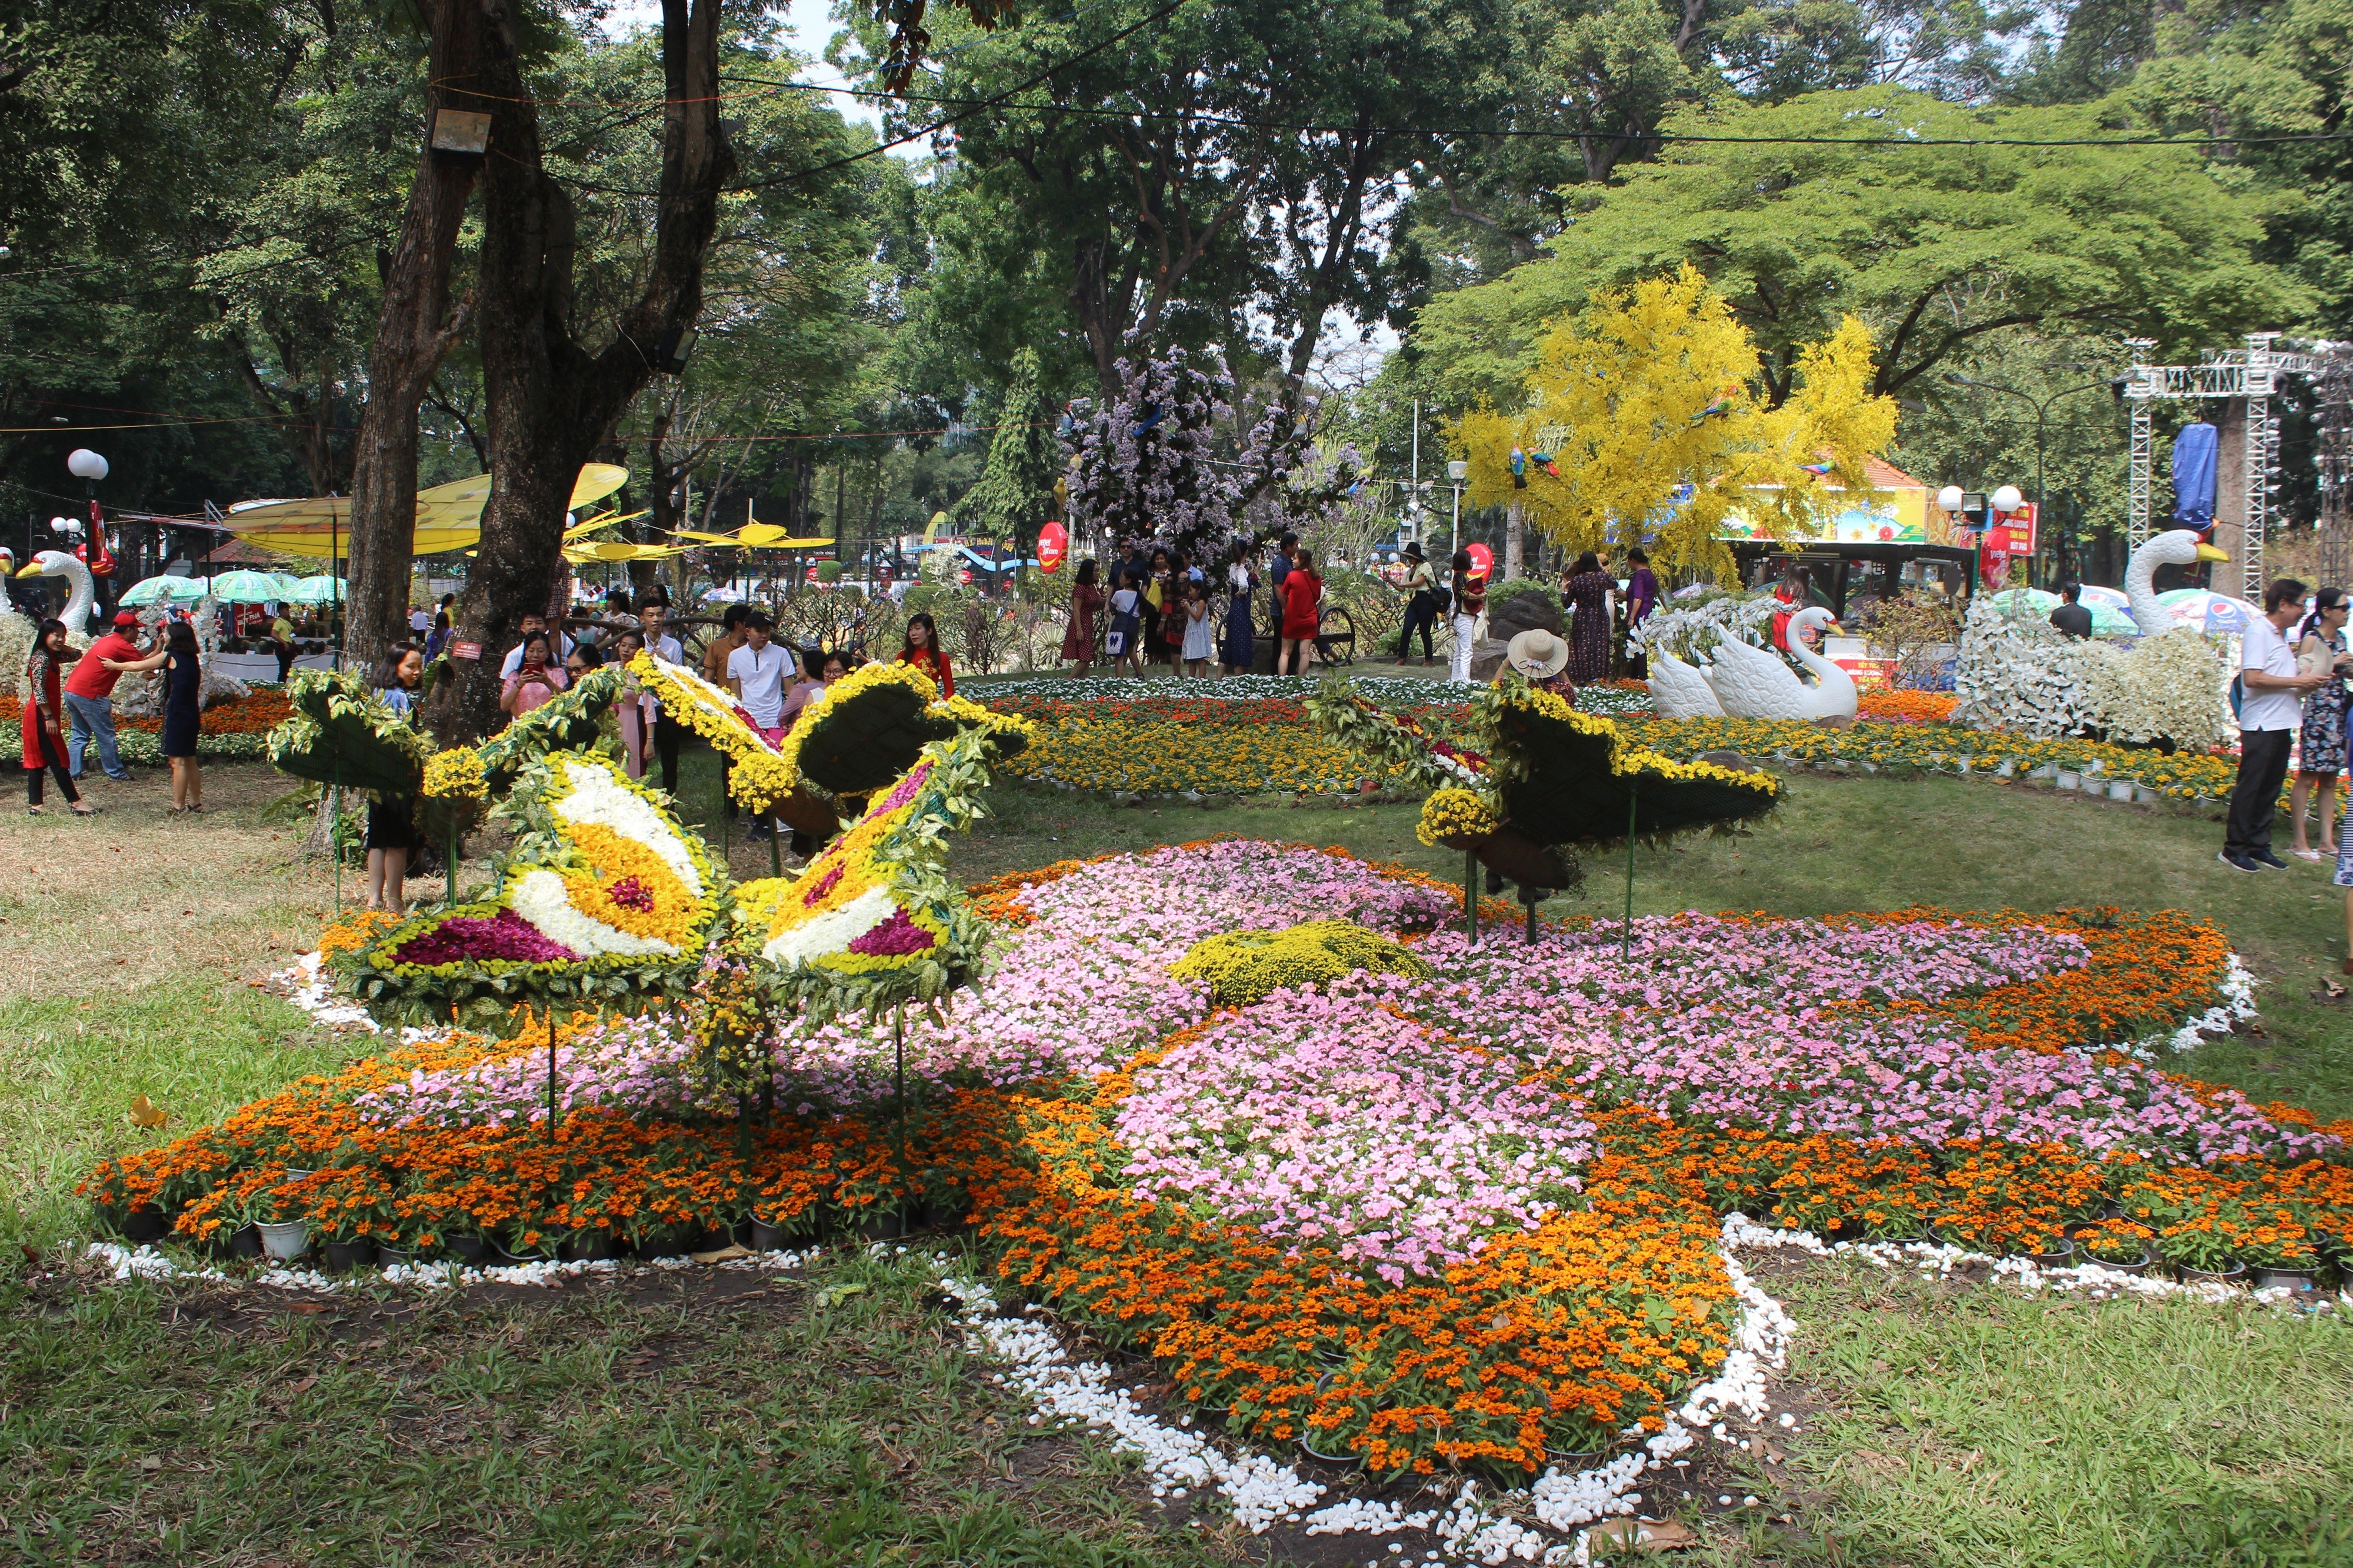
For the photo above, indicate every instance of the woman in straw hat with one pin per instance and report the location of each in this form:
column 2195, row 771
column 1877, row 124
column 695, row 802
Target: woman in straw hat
column 1543, row 658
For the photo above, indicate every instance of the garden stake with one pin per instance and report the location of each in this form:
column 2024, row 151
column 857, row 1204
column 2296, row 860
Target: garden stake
column 1626, row 943
column 1527, row 895
column 898, row 1081
column 449, row 882
column 776, row 849
column 551, row 1072
column 1471, row 894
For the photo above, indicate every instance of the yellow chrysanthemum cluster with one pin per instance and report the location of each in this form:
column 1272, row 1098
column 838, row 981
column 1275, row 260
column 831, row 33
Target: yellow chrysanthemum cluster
column 1456, row 814
column 758, row 777
column 1246, row 966
column 456, row 774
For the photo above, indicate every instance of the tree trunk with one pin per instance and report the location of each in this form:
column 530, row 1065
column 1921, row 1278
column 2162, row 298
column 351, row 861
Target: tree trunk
column 551, row 404
column 1515, row 533
column 414, row 331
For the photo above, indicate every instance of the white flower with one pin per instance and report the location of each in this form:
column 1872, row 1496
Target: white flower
column 541, row 898
column 599, row 796
column 832, row 932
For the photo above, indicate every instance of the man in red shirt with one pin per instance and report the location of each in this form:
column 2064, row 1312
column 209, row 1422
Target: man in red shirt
column 90, row 693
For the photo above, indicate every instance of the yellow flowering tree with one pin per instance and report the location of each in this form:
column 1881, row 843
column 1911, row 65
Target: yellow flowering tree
column 1654, row 388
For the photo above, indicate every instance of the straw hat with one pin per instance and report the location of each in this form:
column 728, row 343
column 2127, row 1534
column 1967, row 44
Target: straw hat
column 1538, row 654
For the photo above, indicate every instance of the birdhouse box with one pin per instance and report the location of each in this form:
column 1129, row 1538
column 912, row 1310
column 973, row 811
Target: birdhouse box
column 460, row 133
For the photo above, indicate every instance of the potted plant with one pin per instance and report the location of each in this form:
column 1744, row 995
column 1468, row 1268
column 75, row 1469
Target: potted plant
column 2118, row 1246
column 2201, row 1249
column 2283, row 1261
column 349, row 1251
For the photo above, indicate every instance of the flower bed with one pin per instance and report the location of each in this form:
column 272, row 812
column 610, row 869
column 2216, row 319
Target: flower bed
column 1459, row 1217
column 236, row 731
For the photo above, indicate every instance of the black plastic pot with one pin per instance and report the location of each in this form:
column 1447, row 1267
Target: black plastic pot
column 343, row 1257
column 468, row 1249
column 2146, row 1259
column 501, row 1257
column 589, row 1249
column 245, row 1241
column 145, row 1224
column 2234, row 1275
column 386, row 1257
column 2292, row 1279
column 882, row 1227
column 2059, row 1259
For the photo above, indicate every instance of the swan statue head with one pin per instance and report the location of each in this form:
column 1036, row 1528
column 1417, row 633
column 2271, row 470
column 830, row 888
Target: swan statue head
column 2174, row 547
column 83, row 595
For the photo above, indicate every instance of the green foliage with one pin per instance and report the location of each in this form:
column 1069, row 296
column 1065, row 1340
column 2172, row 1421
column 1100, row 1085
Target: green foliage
column 1015, row 493
column 339, row 733
column 1935, row 246
column 1243, row 967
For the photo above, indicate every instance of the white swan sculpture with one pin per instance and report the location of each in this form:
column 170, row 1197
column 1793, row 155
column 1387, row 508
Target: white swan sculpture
column 1752, row 683
column 81, row 598
column 2175, row 547
column 1679, row 691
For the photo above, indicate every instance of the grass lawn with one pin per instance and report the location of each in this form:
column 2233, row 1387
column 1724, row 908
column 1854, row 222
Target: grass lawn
column 731, row 1416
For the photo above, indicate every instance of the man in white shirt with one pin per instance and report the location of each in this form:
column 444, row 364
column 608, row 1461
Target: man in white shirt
column 514, row 656
column 758, row 673
column 2270, row 710
column 419, row 621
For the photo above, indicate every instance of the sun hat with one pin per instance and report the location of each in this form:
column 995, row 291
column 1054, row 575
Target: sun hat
column 1538, row 654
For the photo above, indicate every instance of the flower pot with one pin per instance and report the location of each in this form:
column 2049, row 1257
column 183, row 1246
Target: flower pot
column 392, row 1257
column 145, row 1224
column 2122, row 789
column 499, row 1255
column 765, row 1236
column 2148, row 1259
column 245, row 1241
column 2064, row 1255
column 2070, row 779
column 591, row 1247
column 2144, row 796
column 1572, row 1458
column 2234, row 1275
column 2288, row 1279
column 343, row 1257
column 286, row 1241
column 469, row 1250
column 1346, row 1461
column 882, row 1227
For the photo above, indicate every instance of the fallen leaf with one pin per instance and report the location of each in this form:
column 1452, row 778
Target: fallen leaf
column 833, row 1294
column 302, row 1385
column 1646, row 1534
column 308, row 1308
column 144, row 1112
column 723, row 1255
column 151, row 1463
column 2332, row 988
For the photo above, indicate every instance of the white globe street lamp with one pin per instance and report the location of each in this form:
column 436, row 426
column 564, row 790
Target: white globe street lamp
column 85, row 464
column 1949, row 498
column 2008, row 499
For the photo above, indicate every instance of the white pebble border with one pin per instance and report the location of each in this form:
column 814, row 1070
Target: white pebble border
column 146, row 1263
column 1479, row 1525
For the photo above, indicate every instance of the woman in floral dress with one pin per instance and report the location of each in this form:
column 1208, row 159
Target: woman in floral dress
column 1588, row 593
column 2319, row 645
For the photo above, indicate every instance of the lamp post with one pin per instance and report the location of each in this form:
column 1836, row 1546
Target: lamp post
column 1457, row 470
column 2042, row 420
column 89, row 467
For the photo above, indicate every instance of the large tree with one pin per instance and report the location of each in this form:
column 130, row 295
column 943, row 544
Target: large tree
column 1208, row 174
column 415, row 330
column 1871, row 212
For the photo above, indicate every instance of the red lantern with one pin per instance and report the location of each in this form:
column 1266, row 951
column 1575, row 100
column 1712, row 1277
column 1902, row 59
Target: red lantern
column 1482, row 559
column 1053, row 547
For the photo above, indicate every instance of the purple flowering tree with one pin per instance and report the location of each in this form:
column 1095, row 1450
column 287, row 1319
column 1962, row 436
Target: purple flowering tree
column 1147, row 467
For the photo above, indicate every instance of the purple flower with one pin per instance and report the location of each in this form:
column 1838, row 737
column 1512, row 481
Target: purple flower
column 467, row 939
column 893, row 937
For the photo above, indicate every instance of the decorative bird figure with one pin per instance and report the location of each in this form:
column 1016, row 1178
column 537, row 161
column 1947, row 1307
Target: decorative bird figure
column 1152, row 413
column 1816, row 469
column 1544, row 460
column 1519, row 469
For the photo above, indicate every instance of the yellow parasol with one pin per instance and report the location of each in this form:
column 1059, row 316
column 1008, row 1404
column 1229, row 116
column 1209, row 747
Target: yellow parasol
column 449, row 517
